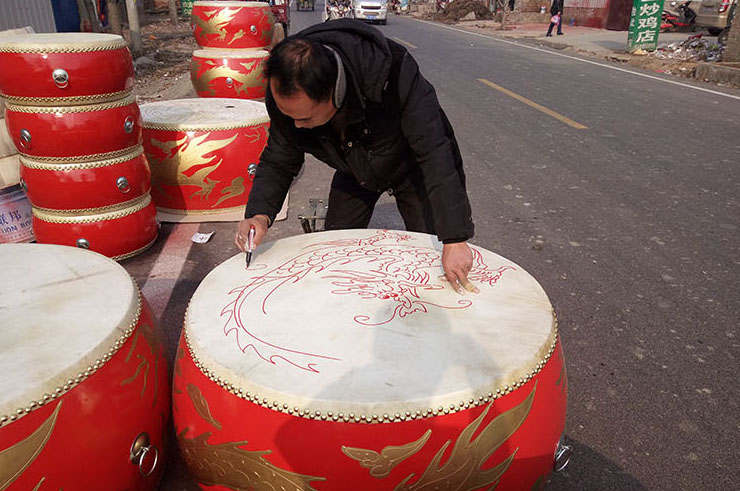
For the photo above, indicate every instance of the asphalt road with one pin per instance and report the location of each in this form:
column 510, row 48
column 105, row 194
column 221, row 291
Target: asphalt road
column 622, row 201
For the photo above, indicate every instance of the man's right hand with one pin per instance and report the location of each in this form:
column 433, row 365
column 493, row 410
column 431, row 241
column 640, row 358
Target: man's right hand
column 260, row 224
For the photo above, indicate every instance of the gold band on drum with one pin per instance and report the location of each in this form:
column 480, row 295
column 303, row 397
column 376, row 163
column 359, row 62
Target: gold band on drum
column 92, row 215
column 93, row 157
column 60, row 390
column 35, row 163
column 129, row 99
column 502, row 388
column 136, row 252
column 67, row 101
column 113, row 44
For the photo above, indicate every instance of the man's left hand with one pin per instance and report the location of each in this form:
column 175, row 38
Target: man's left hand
column 457, row 261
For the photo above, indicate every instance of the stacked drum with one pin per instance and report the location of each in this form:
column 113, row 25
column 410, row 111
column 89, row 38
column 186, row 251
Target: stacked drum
column 71, row 113
column 16, row 224
column 203, row 155
column 234, row 37
column 84, row 397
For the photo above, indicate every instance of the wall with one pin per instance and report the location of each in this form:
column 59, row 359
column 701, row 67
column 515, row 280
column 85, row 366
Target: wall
column 21, row 13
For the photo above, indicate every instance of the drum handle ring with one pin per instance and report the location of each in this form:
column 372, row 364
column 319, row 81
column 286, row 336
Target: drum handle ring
column 139, row 450
column 61, row 78
column 252, row 170
column 563, row 454
column 25, row 139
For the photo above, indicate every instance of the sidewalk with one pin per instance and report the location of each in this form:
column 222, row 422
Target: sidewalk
column 611, row 46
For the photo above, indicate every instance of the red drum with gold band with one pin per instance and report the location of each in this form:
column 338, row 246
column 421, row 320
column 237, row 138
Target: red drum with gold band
column 225, row 73
column 65, row 68
column 84, row 397
column 119, row 231
column 232, row 25
column 77, row 132
column 203, row 154
column 339, row 361
column 82, row 185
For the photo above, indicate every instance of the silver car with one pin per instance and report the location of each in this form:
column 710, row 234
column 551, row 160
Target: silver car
column 371, row 10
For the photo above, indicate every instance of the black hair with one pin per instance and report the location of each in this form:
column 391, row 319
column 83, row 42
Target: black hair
column 302, row 64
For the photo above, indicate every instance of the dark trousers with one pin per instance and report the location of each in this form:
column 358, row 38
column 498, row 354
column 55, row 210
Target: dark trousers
column 560, row 27
column 351, row 205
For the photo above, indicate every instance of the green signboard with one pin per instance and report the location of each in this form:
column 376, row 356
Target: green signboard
column 644, row 25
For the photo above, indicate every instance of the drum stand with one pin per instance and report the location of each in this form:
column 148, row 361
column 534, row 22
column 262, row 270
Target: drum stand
column 317, row 211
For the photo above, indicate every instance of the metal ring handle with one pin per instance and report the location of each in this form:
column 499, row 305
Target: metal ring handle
column 25, row 139
column 142, row 454
column 61, row 78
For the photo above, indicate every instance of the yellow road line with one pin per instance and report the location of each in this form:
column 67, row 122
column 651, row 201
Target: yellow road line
column 533, row 104
column 405, row 43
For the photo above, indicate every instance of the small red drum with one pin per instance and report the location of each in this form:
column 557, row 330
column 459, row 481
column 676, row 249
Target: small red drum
column 65, row 69
column 76, row 132
column 74, row 186
column 84, row 399
column 118, row 232
column 222, row 73
column 203, row 154
column 339, row 361
column 232, row 25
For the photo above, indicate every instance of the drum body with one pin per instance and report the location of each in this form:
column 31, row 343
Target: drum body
column 95, row 384
column 337, row 402
column 232, row 25
column 203, row 154
column 117, row 232
column 65, row 69
column 77, row 186
column 75, row 132
column 15, row 216
column 222, row 73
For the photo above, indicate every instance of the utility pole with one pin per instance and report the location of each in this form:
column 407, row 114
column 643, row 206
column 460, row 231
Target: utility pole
column 135, row 29
column 114, row 17
column 173, row 11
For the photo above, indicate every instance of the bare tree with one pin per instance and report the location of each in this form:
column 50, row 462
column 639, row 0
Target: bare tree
column 114, row 17
column 134, row 27
column 173, row 11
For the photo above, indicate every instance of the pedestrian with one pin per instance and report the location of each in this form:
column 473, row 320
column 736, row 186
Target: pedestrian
column 357, row 101
column 556, row 10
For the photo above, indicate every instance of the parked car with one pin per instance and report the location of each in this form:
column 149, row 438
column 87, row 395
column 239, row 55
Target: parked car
column 716, row 16
column 371, row 10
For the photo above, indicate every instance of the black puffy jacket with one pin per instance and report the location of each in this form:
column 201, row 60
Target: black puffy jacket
column 396, row 129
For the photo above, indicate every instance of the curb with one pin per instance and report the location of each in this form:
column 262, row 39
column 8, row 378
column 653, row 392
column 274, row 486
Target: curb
column 721, row 73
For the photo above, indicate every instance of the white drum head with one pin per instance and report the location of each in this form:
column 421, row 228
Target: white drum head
column 60, row 42
column 206, row 114
column 62, row 310
column 357, row 321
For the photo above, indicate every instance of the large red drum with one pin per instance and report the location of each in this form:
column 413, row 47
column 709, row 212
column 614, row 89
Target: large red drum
column 227, row 73
column 82, row 133
column 339, row 361
column 118, row 232
column 84, row 399
column 233, row 25
column 83, row 185
column 203, row 154
column 65, row 68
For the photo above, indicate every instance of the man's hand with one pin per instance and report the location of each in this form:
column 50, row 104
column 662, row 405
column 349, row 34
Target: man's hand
column 260, row 224
column 457, row 261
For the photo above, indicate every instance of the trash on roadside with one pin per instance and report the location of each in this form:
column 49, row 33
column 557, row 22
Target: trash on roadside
column 199, row 238
column 694, row 48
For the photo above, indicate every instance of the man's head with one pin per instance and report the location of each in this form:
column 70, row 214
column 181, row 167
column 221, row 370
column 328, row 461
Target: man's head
column 302, row 75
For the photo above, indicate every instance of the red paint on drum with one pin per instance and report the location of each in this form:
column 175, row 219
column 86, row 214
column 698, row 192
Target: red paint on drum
column 232, row 25
column 221, row 73
column 75, row 131
column 119, row 233
column 91, row 72
column 75, row 186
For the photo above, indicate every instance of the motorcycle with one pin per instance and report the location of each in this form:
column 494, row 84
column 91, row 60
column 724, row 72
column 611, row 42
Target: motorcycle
column 683, row 17
column 338, row 9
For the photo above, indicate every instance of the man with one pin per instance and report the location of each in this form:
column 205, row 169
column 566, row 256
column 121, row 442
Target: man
column 556, row 9
column 355, row 100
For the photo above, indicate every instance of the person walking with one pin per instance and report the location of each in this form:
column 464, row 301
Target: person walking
column 344, row 93
column 556, row 10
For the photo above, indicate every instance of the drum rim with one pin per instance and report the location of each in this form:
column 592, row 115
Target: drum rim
column 230, row 53
column 81, row 370
column 37, row 44
column 84, row 108
column 76, row 100
column 93, row 215
column 229, row 125
column 375, row 411
column 36, row 164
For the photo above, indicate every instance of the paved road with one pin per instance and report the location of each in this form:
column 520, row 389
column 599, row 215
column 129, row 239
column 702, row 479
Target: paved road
column 619, row 193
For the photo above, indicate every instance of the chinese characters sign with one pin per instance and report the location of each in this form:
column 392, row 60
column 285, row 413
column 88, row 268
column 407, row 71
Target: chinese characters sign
column 644, row 25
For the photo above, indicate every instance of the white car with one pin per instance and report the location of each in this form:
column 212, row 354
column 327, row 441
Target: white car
column 371, row 10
